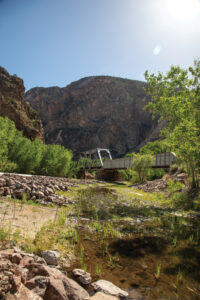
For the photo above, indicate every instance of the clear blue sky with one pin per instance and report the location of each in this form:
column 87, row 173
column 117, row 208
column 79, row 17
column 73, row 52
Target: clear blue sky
column 55, row 42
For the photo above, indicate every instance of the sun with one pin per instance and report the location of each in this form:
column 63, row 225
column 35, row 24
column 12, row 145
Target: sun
column 183, row 10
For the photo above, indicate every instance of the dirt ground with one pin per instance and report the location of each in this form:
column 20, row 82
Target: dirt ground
column 28, row 218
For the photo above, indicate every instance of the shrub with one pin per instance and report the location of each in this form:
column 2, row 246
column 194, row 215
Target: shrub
column 141, row 165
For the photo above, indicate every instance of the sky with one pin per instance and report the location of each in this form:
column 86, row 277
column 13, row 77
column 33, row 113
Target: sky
column 55, row 42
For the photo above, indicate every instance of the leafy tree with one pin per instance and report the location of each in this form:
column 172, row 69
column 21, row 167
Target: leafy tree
column 56, row 160
column 176, row 98
column 18, row 153
column 142, row 164
column 26, row 154
column 7, row 135
column 156, row 147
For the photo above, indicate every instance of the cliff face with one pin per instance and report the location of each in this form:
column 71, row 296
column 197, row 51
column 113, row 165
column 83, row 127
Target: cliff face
column 14, row 106
column 94, row 112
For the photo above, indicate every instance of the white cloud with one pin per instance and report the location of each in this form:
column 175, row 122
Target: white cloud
column 157, row 50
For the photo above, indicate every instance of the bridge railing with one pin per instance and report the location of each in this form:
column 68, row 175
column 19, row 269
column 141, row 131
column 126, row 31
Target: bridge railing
column 163, row 160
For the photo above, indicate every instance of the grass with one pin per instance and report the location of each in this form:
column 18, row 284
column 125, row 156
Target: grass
column 98, row 270
column 158, row 270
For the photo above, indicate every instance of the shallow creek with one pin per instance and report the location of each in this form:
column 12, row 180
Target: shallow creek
column 152, row 252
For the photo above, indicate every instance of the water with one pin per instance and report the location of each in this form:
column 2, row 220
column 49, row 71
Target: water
column 153, row 252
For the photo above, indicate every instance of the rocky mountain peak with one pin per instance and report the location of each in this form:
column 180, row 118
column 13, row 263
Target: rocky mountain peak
column 14, row 106
column 96, row 111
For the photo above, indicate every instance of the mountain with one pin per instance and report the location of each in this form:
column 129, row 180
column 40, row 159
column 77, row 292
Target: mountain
column 99, row 111
column 14, row 106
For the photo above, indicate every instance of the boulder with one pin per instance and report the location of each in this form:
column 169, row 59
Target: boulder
column 82, row 276
column 38, row 285
column 108, row 287
column 102, row 296
column 51, row 257
column 53, row 284
column 23, row 294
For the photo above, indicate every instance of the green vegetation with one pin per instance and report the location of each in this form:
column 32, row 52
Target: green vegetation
column 19, row 154
column 141, row 165
column 176, row 98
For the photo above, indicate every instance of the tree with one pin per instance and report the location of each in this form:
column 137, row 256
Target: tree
column 18, row 153
column 142, row 165
column 176, row 98
column 56, row 161
column 7, row 135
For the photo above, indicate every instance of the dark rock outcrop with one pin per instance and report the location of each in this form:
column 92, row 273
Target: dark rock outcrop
column 14, row 106
column 94, row 112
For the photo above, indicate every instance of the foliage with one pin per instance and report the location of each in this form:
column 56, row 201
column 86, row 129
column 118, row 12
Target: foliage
column 19, row 154
column 55, row 161
column 156, row 147
column 174, row 186
column 176, row 98
column 141, row 165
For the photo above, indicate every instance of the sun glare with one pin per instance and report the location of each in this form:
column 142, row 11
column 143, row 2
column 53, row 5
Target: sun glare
column 183, row 10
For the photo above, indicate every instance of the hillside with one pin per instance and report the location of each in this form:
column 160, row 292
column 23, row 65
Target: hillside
column 94, row 112
column 14, row 106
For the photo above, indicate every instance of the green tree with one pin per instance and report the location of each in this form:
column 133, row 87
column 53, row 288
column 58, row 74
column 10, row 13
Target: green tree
column 176, row 98
column 156, row 147
column 56, row 161
column 18, row 153
column 7, row 135
column 142, row 165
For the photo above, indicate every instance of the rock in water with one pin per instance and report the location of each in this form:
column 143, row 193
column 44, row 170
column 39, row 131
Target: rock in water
column 109, row 288
column 51, row 257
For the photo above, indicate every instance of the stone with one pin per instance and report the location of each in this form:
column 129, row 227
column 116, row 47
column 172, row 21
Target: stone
column 38, row 285
column 42, row 270
column 53, row 284
column 38, row 188
column 22, row 273
column 39, row 260
column 51, row 257
column 108, row 287
column 102, row 296
column 7, row 253
column 16, row 282
column 24, row 294
column 19, row 193
column 26, row 260
column 55, row 290
column 74, row 290
column 82, row 276
column 16, row 257
column 40, row 194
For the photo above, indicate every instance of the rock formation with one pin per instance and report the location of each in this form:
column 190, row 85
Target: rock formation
column 94, row 112
column 13, row 106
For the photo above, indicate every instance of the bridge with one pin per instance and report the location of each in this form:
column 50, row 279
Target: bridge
column 101, row 159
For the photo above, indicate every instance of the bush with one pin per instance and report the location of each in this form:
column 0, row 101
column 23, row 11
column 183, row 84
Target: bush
column 141, row 165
